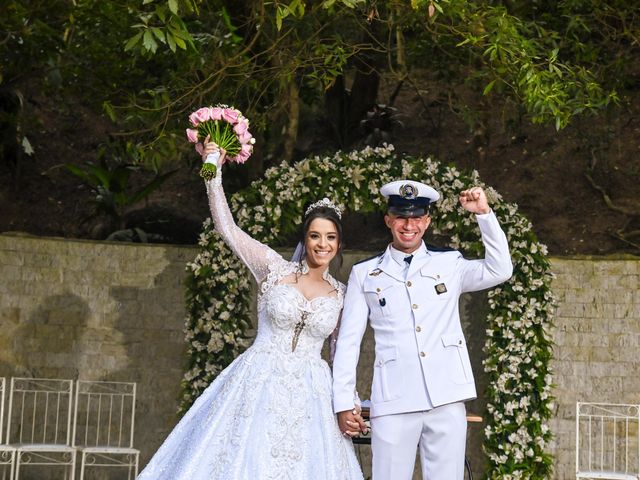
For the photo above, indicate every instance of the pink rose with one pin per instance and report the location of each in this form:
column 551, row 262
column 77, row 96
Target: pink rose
column 216, row 113
column 200, row 115
column 245, row 153
column 241, row 158
column 230, row 115
column 192, row 135
column 245, row 138
column 241, row 127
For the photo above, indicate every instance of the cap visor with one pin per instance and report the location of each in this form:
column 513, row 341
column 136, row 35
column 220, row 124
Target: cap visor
column 408, row 211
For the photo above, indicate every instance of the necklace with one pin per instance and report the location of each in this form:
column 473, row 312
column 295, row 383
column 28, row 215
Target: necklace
column 297, row 329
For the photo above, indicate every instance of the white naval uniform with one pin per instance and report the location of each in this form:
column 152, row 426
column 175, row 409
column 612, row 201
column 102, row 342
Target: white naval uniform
column 421, row 359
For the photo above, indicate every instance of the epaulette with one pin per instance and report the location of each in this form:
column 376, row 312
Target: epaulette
column 370, row 258
column 433, row 248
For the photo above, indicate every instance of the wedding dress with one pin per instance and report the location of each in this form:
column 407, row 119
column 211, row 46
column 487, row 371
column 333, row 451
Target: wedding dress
column 269, row 414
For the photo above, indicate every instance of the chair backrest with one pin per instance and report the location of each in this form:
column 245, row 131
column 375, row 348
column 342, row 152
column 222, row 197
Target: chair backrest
column 104, row 414
column 3, row 389
column 39, row 411
column 607, row 440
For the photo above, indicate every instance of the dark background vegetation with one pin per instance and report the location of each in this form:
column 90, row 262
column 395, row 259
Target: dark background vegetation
column 563, row 144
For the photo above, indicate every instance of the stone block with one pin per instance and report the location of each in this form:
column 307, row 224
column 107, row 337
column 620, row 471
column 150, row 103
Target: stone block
column 42, row 260
column 9, row 317
column 10, row 258
column 571, row 310
column 625, row 340
column 624, row 309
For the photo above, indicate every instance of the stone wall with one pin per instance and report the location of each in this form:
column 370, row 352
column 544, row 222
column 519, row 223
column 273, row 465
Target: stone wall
column 97, row 311
column 112, row 311
column 597, row 340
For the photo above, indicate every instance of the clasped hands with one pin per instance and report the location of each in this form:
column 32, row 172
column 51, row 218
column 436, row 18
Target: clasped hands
column 351, row 422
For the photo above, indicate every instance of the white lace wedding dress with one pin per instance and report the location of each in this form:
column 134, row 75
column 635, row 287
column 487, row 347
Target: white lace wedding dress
column 269, row 414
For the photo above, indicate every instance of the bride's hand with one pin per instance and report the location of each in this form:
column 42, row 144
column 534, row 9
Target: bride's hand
column 351, row 423
column 211, row 147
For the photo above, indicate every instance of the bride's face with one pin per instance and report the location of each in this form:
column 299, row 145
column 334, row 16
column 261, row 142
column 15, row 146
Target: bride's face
column 321, row 242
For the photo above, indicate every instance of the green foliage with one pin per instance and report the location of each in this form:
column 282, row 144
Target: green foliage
column 146, row 65
column 334, row 58
column 75, row 49
column 251, row 53
column 297, row 8
column 31, row 40
column 525, row 52
column 524, row 56
column 160, row 21
column 111, row 182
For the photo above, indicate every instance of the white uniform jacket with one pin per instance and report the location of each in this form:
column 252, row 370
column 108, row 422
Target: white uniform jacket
column 421, row 358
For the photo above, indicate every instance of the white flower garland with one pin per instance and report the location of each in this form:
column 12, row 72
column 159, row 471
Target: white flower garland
column 518, row 347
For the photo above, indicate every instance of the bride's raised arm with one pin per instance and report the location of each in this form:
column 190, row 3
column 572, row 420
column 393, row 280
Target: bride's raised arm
column 255, row 255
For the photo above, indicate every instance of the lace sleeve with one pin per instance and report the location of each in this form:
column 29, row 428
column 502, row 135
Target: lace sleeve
column 255, row 255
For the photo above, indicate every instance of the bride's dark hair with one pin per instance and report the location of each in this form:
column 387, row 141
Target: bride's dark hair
column 326, row 213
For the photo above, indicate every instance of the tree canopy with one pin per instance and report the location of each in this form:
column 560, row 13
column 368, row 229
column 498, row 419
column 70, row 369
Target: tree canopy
column 149, row 63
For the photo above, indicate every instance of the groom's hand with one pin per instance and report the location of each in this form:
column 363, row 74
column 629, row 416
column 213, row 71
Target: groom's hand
column 475, row 200
column 351, row 423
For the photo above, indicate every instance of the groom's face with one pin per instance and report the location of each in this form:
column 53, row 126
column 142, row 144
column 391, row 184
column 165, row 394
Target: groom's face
column 407, row 232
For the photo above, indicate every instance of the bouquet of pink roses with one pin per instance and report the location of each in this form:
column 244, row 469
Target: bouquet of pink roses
column 227, row 128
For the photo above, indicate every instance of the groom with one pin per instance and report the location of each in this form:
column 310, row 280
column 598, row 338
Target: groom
column 422, row 373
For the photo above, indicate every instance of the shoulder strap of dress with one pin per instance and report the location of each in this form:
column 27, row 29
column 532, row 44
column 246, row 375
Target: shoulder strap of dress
column 337, row 285
column 277, row 269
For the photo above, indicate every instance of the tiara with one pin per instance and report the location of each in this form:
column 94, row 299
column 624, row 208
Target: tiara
column 325, row 202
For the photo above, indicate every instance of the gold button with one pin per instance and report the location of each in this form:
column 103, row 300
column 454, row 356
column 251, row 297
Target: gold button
column 459, row 342
column 422, row 354
column 414, row 306
column 418, row 329
column 409, row 284
column 377, row 289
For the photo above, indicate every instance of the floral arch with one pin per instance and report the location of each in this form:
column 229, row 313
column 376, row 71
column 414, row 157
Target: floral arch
column 518, row 347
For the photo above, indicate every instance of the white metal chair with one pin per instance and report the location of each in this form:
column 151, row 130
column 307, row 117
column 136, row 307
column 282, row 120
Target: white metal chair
column 607, row 441
column 39, row 424
column 104, row 425
column 7, row 452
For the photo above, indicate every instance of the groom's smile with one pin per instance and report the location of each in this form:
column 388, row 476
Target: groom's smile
column 407, row 232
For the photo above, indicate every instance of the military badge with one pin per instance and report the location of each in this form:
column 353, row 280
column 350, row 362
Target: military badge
column 375, row 273
column 441, row 288
column 408, row 191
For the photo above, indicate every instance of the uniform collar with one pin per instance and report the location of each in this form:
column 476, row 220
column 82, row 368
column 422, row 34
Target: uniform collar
column 392, row 262
column 397, row 255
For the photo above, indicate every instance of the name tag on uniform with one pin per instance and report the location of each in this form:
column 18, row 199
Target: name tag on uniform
column 441, row 288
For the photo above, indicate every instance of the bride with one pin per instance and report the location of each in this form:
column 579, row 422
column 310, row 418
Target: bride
column 269, row 414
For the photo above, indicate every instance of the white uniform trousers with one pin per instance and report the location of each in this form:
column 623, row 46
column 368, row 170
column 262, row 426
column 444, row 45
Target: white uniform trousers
column 440, row 433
